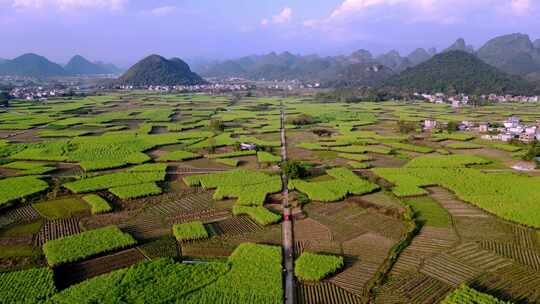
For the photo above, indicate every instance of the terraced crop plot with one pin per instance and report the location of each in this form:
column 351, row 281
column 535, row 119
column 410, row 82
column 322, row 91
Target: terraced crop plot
column 344, row 183
column 16, row 188
column 250, row 187
column 56, row 229
column 324, row 293
column 24, row 214
column 27, row 286
column 508, row 195
column 76, row 247
column 237, row 225
column 74, row 273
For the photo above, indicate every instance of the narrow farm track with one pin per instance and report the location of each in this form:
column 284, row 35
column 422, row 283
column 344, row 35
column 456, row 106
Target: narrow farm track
column 287, row 226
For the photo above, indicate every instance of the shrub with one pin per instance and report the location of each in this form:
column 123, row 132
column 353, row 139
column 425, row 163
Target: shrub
column 315, row 267
column 190, row 231
column 303, row 199
column 80, row 246
column 97, row 204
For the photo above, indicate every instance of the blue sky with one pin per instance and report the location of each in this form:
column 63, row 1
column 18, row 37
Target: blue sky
column 123, row 31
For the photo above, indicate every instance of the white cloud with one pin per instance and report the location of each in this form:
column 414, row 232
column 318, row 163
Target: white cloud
column 164, row 10
column 65, row 5
column 283, row 17
column 355, row 6
column 521, row 7
column 436, row 11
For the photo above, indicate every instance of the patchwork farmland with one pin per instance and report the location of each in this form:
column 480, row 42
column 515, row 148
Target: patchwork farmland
column 179, row 198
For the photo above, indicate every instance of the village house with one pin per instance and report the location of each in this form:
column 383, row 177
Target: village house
column 245, row 146
column 430, row 124
column 483, row 128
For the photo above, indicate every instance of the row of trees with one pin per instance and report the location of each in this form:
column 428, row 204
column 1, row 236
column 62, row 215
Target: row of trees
column 4, row 99
column 367, row 94
column 406, row 127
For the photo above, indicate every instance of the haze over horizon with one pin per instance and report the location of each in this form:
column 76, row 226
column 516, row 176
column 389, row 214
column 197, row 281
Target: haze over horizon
column 124, row 31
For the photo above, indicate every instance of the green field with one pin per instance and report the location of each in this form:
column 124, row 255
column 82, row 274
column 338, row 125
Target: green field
column 147, row 197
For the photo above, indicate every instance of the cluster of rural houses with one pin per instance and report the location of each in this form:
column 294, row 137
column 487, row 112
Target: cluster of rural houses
column 36, row 93
column 461, row 99
column 213, row 88
column 510, row 129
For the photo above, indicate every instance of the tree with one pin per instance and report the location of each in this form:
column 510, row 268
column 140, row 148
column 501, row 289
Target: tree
column 294, row 169
column 532, row 152
column 452, row 126
column 216, row 125
column 211, row 145
column 406, row 127
column 4, row 99
column 302, row 120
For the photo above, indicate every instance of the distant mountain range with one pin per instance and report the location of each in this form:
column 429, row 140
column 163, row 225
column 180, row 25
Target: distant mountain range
column 459, row 72
column 515, row 54
column 32, row 65
column 156, row 70
column 79, row 65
